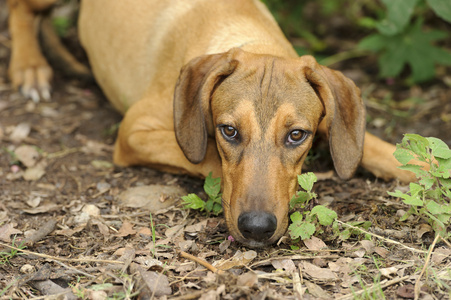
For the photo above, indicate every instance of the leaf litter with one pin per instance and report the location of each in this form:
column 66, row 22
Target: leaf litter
column 92, row 230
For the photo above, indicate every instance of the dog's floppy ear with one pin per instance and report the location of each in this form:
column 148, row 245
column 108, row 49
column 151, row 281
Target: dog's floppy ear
column 193, row 90
column 344, row 115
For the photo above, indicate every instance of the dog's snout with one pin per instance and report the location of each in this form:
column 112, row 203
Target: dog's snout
column 257, row 225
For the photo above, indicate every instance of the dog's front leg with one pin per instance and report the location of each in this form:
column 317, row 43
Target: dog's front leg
column 378, row 159
column 28, row 68
column 146, row 139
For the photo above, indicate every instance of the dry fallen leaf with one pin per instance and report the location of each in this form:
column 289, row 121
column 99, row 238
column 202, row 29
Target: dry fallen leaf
column 315, row 243
column 47, row 207
column 126, row 229
column 6, row 231
column 174, row 231
column 20, row 132
column 284, row 264
column 440, row 254
column 27, row 155
column 422, row 229
column 368, row 246
column 157, row 283
column 34, row 173
column 381, row 251
column 34, row 201
column 317, row 272
column 149, row 196
column 104, row 230
column 316, row 291
column 247, row 279
column 388, row 271
column 196, row 227
column 91, row 210
column 239, row 259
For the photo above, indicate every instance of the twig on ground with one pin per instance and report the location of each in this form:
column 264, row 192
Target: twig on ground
column 82, row 260
column 292, row 257
column 62, row 153
column 41, row 233
column 446, row 242
column 426, row 263
column 382, row 238
column 49, row 288
column 76, row 271
column 195, row 295
column 201, row 262
column 353, row 295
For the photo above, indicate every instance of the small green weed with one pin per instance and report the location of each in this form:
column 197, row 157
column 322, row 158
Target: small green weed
column 213, row 205
column 430, row 198
column 5, row 257
column 345, row 234
column 400, row 42
column 305, row 223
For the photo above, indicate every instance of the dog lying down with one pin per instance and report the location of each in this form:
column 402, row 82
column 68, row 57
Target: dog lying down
column 213, row 86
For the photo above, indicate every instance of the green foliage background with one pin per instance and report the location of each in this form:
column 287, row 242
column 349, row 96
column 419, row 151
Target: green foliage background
column 409, row 38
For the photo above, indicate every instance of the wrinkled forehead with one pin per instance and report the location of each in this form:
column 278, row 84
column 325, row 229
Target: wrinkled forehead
column 266, row 86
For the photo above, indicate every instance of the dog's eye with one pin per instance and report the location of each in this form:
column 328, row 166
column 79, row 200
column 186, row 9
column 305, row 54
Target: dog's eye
column 229, row 132
column 296, row 137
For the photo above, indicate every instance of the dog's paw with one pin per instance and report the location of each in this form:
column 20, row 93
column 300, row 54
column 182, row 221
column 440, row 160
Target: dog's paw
column 32, row 81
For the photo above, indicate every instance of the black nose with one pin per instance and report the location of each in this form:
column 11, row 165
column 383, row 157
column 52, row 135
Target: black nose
column 257, row 225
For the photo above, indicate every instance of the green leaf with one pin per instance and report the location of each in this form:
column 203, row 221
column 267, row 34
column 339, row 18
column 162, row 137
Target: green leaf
column 407, row 199
column 442, row 8
column 415, row 188
column 434, row 208
column 325, row 215
column 193, row 201
column 373, row 42
column 307, row 180
column 209, row 205
column 303, row 230
column 413, row 47
column 412, row 168
column 392, row 61
column 439, row 148
column 407, row 215
column 217, row 209
column 398, row 15
column 296, row 217
column 403, row 155
column 300, row 198
column 416, row 143
column 427, row 182
column 413, row 200
column 444, row 167
column 397, row 194
column 345, row 234
column 212, row 186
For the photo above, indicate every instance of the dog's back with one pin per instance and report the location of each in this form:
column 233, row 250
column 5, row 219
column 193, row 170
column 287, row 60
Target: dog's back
column 133, row 44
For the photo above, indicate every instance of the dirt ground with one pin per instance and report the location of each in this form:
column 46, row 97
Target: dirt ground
column 90, row 234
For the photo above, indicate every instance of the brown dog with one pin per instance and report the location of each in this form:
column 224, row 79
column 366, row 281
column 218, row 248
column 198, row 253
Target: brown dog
column 214, row 86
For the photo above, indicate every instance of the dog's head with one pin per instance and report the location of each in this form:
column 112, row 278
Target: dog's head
column 263, row 112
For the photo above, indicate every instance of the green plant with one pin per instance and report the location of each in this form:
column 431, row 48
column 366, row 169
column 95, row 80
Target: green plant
column 212, row 187
column 369, row 293
column 400, row 42
column 77, row 289
column 430, row 198
column 305, row 222
column 345, row 234
column 5, row 257
column 154, row 236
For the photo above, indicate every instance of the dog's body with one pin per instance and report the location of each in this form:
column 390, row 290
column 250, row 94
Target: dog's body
column 244, row 106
